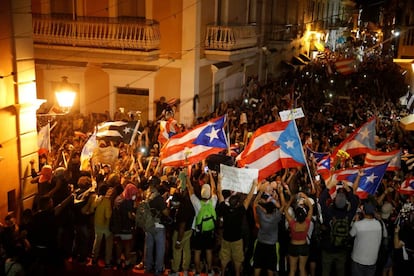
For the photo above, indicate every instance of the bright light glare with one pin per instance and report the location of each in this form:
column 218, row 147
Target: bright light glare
column 65, row 95
column 65, row 98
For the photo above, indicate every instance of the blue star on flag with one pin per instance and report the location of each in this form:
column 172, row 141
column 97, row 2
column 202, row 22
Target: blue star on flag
column 289, row 142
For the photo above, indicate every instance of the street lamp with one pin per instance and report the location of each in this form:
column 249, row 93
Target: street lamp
column 65, row 95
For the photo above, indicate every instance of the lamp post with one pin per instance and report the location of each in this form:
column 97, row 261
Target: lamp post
column 65, row 95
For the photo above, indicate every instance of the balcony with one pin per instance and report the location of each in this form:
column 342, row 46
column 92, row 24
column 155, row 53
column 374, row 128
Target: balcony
column 97, row 33
column 230, row 43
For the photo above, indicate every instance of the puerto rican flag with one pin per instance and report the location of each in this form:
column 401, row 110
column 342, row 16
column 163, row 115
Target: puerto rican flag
column 368, row 183
column 345, row 66
column 194, row 145
column 318, row 156
column 407, row 187
column 373, row 158
column 273, row 147
column 360, row 141
column 167, row 130
column 324, row 167
column 124, row 131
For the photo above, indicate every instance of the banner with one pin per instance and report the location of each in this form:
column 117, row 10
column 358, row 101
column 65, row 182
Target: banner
column 237, row 179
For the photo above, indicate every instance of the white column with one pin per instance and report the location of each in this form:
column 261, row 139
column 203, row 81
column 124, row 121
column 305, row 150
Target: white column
column 190, row 69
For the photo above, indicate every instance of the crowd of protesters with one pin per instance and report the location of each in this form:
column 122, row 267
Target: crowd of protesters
column 88, row 217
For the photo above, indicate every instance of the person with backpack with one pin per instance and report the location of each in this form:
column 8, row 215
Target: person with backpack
column 368, row 234
column 337, row 216
column 204, row 222
column 233, row 213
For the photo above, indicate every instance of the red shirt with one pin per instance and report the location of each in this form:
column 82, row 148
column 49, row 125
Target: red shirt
column 298, row 235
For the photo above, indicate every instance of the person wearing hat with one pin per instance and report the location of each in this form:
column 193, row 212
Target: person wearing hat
column 368, row 234
column 203, row 241
column 43, row 180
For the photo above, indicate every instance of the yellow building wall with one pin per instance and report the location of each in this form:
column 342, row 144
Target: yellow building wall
column 169, row 15
column 97, row 8
column 18, row 136
column 167, row 83
column 207, row 18
column 131, row 8
column 97, row 90
column 205, row 98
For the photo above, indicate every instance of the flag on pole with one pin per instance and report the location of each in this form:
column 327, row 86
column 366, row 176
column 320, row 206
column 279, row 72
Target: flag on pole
column 87, row 152
column 323, row 167
column 318, row 156
column 360, row 141
column 43, row 138
column 167, row 129
column 273, row 147
column 196, row 144
column 124, row 131
column 373, row 158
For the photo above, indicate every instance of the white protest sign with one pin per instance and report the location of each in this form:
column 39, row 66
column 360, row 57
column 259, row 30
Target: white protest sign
column 291, row 114
column 237, row 179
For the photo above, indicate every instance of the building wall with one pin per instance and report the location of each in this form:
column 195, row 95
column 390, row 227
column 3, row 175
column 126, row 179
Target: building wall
column 97, row 8
column 18, row 104
column 238, row 11
column 169, row 15
column 207, row 17
column 97, row 90
column 205, row 96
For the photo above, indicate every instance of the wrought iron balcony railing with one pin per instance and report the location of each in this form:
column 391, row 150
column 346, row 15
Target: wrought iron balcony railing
column 93, row 33
column 230, row 38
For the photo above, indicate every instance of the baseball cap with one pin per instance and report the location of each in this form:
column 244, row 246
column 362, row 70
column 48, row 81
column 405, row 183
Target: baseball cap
column 205, row 191
column 386, row 210
column 45, row 173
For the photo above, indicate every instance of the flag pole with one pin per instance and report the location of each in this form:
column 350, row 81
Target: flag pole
column 134, row 134
column 303, row 153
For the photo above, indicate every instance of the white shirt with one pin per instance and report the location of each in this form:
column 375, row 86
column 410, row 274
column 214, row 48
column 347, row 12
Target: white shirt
column 368, row 235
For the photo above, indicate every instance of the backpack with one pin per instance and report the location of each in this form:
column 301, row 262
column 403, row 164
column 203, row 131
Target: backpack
column 206, row 217
column 340, row 232
column 144, row 218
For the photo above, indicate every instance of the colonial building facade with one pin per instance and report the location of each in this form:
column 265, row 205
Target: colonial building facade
column 127, row 54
